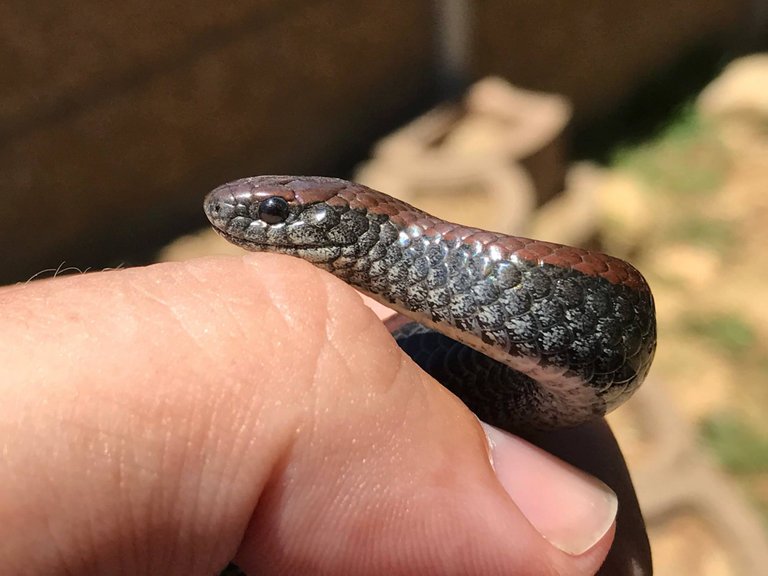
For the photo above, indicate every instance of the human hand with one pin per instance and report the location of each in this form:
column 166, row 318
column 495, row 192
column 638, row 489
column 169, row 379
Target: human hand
column 164, row 420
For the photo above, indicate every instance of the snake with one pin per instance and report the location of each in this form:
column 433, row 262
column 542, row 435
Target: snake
column 530, row 335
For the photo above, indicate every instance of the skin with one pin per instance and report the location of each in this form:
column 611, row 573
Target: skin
column 164, row 420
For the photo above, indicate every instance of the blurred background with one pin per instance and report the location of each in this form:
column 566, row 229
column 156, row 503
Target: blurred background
column 637, row 127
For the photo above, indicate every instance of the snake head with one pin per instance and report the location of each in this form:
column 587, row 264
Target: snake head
column 289, row 215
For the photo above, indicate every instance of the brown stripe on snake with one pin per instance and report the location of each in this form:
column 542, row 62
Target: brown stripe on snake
column 557, row 335
column 340, row 192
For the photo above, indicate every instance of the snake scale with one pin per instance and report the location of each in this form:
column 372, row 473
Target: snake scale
column 529, row 334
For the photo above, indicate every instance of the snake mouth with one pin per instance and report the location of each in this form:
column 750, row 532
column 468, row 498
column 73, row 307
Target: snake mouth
column 271, row 246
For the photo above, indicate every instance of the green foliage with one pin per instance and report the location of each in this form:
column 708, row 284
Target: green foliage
column 687, row 157
column 729, row 332
column 740, row 449
column 704, row 232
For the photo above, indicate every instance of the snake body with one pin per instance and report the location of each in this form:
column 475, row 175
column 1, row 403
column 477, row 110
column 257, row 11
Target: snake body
column 527, row 333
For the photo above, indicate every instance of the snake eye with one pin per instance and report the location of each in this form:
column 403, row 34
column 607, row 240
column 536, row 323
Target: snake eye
column 273, row 210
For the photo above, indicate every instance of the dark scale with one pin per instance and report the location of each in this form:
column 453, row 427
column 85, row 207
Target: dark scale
column 399, row 272
column 485, row 292
column 570, row 292
column 457, row 260
column 419, row 269
column 554, row 340
column 355, row 221
column 491, row 316
column 378, row 268
column 522, row 328
column 439, row 297
column 394, row 256
column 535, row 281
column 376, row 252
column 437, row 276
column 507, row 275
column 516, row 301
column 581, row 352
column 468, row 376
column 462, row 305
column 497, row 337
column 462, row 281
column 436, row 253
column 418, row 294
column 342, row 235
column 417, row 247
column 548, row 312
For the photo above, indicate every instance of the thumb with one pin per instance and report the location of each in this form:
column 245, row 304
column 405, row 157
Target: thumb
column 166, row 419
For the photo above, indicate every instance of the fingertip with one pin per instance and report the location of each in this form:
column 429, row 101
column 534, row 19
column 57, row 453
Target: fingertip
column 379, row 309
column 569, row 508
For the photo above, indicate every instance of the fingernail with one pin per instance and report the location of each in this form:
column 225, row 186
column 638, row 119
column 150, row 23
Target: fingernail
column 568, row 507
